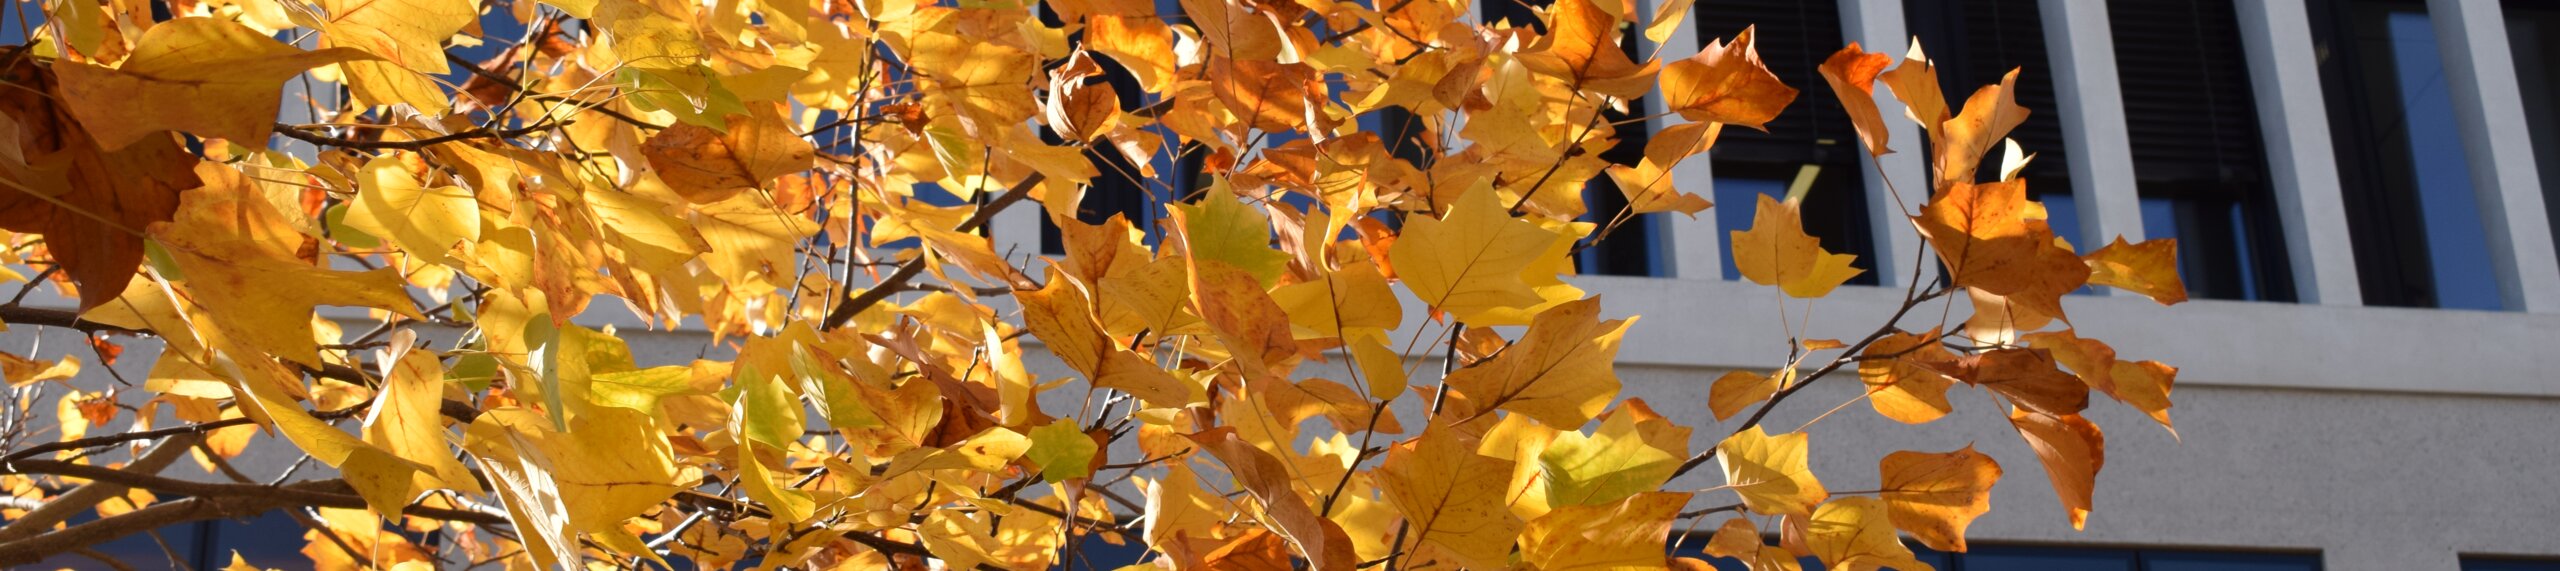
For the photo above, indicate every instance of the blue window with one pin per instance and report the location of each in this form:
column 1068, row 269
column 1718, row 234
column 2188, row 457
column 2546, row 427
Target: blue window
column 2411, row 211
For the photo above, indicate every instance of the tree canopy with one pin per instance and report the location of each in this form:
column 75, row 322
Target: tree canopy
column 1320, row 343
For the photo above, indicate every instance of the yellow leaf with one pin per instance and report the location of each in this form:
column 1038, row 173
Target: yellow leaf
column 2149, row 268
column 2029, row 377
column 1470, row 262
column 405, row 421
column 1562, row 372
column 1987, row 118
column 1140, row 43
column 1452, row 496
column 1737, row 390
column 1852, row 535
column 1627, row 534
column 1649, row 188
column 1342, row 303
column 1906, row 376
column 1611, row 464
column 1935, row 496
column 205, row 76
column 233, row 248
column 425, row 222
column 1776, row 251
column 1223, row 229
column 1738, row 539
column 1769, row 472
column 2072, row 449
column 406, row 33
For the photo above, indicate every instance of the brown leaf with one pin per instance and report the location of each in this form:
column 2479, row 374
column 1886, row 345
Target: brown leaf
column 91, row 205
column 708, row 166
column 2029, row 377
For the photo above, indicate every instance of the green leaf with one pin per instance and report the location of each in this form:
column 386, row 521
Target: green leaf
column 1061, row 451
column 640, row 390
column 1604, row 467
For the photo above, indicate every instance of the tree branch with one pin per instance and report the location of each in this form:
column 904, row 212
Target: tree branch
column 57, row 318
column 896, row 281
column 99, row 489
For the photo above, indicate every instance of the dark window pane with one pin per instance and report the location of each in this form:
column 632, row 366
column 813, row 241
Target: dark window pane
column 1811, row 142
column 2411, row 212
column 2506, row 564
column 2198, row 160
column 2210, row 561
column 2533, row 28
column 1976, row 42
column 2047, row 558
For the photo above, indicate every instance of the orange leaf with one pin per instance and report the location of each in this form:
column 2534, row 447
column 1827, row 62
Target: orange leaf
column 2072, row 449
column 1935, row 496
column 1582, row 47
column 2029, row 377
column 1991, row 237
column 2149, row 268
column 1915, row 82
column 1726, row 83
column 1776, row 251
column 1911, row 385
column 1987, row 118
column 1852, row 75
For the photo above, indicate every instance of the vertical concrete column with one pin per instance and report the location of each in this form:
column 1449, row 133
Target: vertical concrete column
column 2091, row 100
column 2293, row 116
column 2480, row 73
column 1015, row 232
column 1877, row 25
column 1692, row 246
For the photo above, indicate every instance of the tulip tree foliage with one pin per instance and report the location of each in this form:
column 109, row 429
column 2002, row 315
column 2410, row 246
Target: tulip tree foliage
column 1330, row 348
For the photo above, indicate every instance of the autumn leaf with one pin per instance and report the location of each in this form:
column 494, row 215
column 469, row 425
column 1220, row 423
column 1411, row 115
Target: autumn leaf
column 91, row 204
column 1581, row 47
column 1992, row 238
column 1453, row 496
column 1560, row 373
column 1852, row 75
column 1776, row 251
column 1935, row 496
column 1469, row 263
column 1906, row 376
column 1737, row 390
column 205, row 76
column 2149, row 268
column 2072, row 450
column 1618, row 535
column 709, row 166
column 1726, row 83
column 1850, row 533
column 1770, row 472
